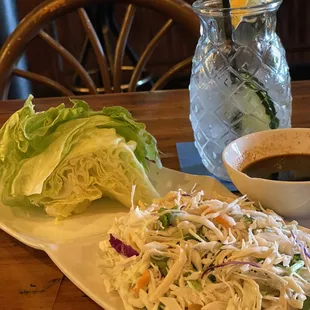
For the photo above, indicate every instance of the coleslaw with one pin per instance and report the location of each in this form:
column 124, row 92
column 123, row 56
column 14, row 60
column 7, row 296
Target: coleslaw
column 187, row 252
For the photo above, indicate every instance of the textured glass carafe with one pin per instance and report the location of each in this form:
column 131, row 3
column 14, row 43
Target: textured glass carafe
column 240, row 79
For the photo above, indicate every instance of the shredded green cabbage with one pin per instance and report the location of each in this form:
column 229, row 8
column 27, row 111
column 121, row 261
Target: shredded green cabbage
column 250, row 259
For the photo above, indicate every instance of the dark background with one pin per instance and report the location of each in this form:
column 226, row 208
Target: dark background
column 293, row 26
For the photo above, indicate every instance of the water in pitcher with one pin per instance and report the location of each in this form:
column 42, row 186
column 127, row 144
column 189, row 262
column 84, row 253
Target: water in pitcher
column 238, row 85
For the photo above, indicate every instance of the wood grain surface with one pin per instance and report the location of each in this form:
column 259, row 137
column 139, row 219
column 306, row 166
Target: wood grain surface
column 28, row 278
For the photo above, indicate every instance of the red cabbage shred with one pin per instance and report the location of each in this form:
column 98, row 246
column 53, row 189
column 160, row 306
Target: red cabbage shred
column 121, row 248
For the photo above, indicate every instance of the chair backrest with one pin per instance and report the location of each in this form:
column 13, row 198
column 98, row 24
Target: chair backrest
column 176, row 11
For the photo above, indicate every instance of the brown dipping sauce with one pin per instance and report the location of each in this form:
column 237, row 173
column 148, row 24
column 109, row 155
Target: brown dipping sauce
column 293, row 168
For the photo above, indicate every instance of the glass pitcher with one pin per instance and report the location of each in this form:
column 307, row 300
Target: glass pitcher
column 240, row 80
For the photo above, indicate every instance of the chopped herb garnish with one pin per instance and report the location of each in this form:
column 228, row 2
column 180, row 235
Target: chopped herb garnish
column 164, row 221
column 165, row 218
column 199, row 233
column 168, row 219
column 306, row 305
column 296, row 267
column 296, row 258
column 161, row 263
column 248, row 219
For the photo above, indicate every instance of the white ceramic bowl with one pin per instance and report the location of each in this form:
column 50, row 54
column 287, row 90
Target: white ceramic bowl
column 289, row 199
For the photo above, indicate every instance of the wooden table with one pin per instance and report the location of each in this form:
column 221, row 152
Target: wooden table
column 28, row 278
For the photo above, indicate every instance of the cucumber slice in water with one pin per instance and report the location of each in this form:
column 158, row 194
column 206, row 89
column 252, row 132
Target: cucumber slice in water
column 263, row 115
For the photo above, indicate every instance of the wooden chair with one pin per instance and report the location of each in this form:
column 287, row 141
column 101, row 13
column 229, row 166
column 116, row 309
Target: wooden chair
column 176, row 11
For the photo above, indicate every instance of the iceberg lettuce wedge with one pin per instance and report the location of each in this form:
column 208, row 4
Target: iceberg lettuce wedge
column 64, row 158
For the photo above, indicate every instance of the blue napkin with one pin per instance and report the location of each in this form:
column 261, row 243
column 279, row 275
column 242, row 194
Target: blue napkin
column 191, row 163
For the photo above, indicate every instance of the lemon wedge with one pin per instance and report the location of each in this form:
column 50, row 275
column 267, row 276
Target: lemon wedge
column 236, row 17
column 238, row 3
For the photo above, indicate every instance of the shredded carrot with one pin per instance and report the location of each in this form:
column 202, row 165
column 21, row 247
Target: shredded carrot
column 194, row 307
column 143, row 281
column 221, row 220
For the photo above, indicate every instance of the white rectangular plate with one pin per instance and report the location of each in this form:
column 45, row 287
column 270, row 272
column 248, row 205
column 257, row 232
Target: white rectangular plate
column 73, row 244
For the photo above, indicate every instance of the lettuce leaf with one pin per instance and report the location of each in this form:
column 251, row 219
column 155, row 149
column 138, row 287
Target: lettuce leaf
column 64, row 158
